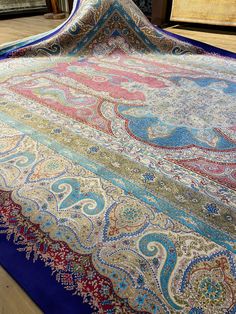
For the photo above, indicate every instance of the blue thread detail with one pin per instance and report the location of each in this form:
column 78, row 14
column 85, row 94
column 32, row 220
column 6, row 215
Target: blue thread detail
column 16, row 145
column 116, row 7
column 148, row 177
column 160, row 205
column 75, row 196
column 212, row 209
column 196, row 310
column 197, row 260
column 30, row 158
column 170, row 261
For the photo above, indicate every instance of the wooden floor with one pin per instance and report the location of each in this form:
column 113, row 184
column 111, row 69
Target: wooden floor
column 22, row 27
column 218, row 38
column 13, row 299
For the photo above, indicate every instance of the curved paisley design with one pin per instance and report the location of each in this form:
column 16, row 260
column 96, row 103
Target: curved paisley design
column 74, row 196
column 47, row 168
column 53, row 50
column 9, row 143
column 125, row 220
column 209, row 283
column 117, row 162
column 147, row 249
column 25, row 158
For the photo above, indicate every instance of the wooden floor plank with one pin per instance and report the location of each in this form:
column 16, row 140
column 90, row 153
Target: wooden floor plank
column 13, row 300
column 18, row 28
column 218, row 38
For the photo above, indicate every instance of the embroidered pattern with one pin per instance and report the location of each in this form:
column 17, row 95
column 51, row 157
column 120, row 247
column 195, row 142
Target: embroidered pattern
column 117, row 160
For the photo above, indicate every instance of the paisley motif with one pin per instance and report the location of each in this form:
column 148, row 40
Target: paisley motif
column 146, row 247
column 91, row 203
column 21, row 159
column 9, row 175
column 48, row 168
column 9, row 143
column 126, row 220
column 84, row 108
column 210, row 282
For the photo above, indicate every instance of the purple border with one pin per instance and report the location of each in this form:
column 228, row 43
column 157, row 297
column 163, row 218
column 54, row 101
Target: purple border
column 38, row 282
column 208, row 48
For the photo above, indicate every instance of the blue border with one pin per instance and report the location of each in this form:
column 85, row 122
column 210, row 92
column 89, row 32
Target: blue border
column 38, row 282
column 208, row 48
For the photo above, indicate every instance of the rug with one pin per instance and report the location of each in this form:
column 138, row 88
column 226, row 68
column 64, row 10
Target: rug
column 117, row 162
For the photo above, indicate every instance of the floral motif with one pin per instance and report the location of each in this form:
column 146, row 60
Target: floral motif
column 212, row 209
column 209, row 282
column 196, row 310
column 148, row 177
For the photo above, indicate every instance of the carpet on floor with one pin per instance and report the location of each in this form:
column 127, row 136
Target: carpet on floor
column 117, row 166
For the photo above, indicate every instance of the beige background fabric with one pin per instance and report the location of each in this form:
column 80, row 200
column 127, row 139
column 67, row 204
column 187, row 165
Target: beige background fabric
column 216, row 12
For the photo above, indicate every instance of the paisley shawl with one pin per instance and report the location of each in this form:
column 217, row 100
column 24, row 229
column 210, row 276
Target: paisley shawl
column 117, row 161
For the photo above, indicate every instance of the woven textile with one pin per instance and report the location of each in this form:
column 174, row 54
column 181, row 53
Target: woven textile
column 117, row 162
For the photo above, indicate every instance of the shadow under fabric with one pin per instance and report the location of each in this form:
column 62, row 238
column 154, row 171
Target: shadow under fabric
column 117, row 172
column 145, row 6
